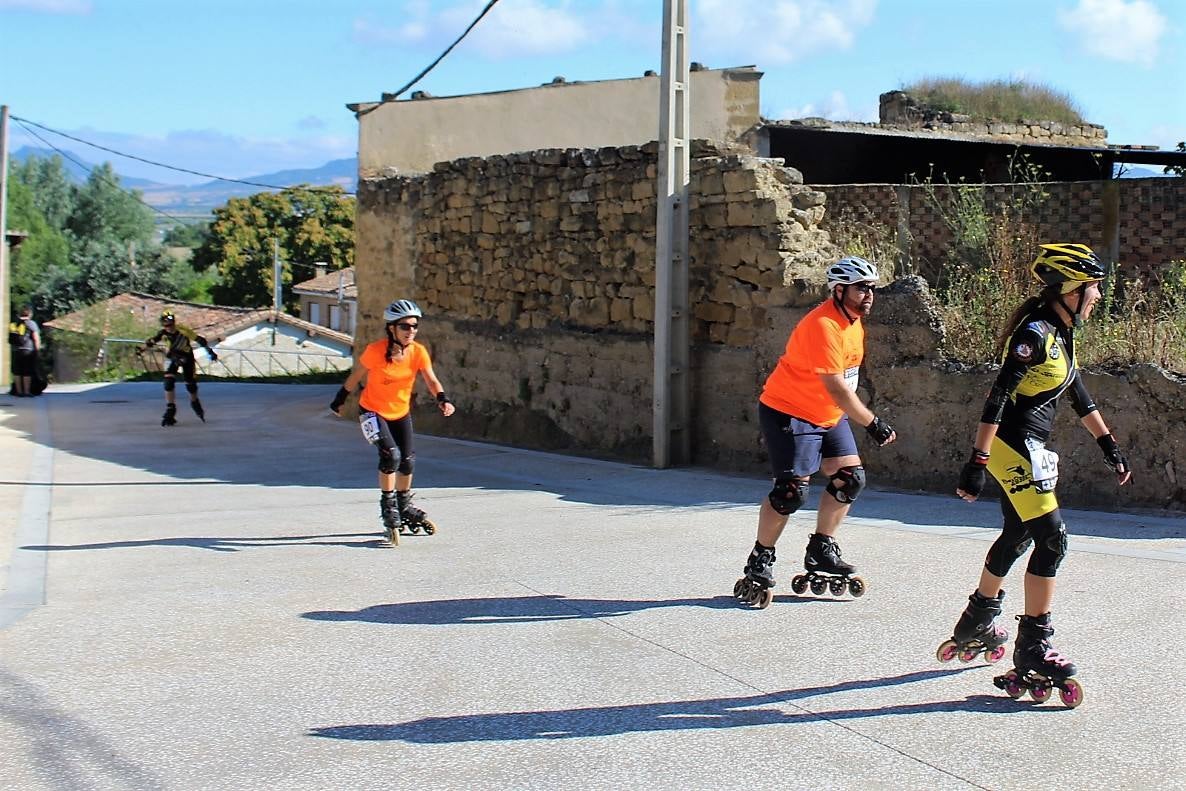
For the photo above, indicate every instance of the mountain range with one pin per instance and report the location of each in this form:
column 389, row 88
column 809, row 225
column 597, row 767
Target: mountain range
column 199, row 200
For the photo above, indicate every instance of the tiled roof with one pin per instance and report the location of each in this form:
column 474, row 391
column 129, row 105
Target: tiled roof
column 328, row 284
column 214, row 322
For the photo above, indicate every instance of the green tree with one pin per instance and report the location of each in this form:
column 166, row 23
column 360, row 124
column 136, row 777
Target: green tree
column 52, row 190
column 310, row 224
column 105, row 211
column 1179, row 169
column 43, row 248
column 192, row 235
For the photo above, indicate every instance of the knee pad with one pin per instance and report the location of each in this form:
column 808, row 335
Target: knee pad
column 851, row 482
column 787, row 496
column 1050, row 546
column 191, row 387
column 1004, row 553
column 386, row 460
column 170, row 383
column 406, row 464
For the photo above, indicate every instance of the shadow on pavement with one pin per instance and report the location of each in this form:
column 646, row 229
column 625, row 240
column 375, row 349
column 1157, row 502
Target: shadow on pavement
column 714, row 713
column 372, row 541
column 521, row 609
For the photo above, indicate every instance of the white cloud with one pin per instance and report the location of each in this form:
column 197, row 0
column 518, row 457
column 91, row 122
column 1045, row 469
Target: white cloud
column 1124, row 30
column 512, row 28
column 769, row 32
column 73, row 7
column 834, row 107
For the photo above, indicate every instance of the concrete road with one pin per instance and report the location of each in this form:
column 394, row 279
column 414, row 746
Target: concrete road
column 210, row 607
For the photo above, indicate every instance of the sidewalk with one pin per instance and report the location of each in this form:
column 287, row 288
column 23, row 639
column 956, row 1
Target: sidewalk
column 210, row 606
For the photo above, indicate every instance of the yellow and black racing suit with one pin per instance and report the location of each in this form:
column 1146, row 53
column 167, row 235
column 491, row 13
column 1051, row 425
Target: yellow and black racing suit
column 180, row 354
column 1038, row 366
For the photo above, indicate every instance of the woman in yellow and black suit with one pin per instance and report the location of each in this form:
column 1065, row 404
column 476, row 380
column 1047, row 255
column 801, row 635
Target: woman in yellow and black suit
column 1037, row 350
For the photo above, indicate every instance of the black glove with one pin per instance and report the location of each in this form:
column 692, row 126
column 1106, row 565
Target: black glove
column 972, row 476
column 213, row 356
column 1112, row 455
column 442, row 399
column 879, row 430
column 339, row 399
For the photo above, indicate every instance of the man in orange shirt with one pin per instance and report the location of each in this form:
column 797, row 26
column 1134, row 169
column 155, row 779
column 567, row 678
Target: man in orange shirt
column 804, row 413
column 390, row 367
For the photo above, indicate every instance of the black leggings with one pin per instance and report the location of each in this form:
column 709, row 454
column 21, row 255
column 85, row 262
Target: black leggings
column 394, row 437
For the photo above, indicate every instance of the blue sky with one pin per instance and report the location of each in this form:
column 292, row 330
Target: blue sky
column 243, row 87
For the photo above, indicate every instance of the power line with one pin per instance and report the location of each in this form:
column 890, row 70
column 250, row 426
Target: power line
column 24, row 121
column 91, row 171
column 390, row 97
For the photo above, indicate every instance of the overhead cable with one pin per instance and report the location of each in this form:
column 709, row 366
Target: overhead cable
column 24, row 121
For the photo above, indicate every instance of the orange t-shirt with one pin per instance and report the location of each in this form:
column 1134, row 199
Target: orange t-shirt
column 388, row 390
column 824, row 342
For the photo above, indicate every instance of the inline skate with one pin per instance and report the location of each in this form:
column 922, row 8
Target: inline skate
column 414, row 520
column 197, row 405
column 170, row 416
column 1037, row 667
column 977, row 632
column 757, row 586
column 389, row 513
column 825, row 570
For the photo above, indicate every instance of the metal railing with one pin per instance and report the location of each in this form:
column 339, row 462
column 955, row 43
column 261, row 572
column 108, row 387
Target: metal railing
column 233, row 362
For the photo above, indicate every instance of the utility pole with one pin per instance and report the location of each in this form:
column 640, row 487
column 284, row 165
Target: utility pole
column 672, row 382
column 275, row 286
column 5, row 310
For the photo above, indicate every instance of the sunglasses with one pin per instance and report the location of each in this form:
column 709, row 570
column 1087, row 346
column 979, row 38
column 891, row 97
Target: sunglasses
column 403, row 325
column 865, row 288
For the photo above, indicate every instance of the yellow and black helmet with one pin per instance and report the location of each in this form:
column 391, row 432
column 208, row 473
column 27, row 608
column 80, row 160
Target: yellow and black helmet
column 167, row 317
column 1067, row 266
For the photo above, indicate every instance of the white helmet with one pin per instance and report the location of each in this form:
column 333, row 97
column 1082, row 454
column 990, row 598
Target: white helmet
column 851, row 269
column 401, row 309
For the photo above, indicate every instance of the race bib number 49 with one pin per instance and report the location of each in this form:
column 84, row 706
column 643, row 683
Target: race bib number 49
column 1045, row 465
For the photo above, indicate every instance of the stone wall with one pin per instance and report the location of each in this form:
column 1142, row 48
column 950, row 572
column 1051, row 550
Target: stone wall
column 535, row 271
column 898, row 109
column 1142, row 220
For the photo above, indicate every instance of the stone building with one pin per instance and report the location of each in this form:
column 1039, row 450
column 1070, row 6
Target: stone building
column 536, row 271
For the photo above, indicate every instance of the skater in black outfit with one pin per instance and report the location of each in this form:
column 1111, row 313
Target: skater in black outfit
column 179, row 352
column 1037, row 350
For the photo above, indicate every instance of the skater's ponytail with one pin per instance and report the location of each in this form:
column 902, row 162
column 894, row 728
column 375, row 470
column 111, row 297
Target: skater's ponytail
column 390, row 346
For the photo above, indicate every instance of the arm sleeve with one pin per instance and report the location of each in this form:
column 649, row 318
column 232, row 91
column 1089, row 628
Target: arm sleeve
column 1026, row 348
column 1081, row 400
column 155, row 338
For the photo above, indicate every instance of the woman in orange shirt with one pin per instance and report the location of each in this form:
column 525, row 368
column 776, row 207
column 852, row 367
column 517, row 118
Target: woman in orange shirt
column 390, row 367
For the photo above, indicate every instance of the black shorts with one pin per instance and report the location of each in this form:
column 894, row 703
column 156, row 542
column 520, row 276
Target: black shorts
column 797, row 447
column 24, row 363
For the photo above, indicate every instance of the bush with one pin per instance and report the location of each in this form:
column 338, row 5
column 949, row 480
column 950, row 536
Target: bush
column 1003, row 100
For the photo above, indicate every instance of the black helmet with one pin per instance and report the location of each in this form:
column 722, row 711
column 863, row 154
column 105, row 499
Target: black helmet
column 1067, row 266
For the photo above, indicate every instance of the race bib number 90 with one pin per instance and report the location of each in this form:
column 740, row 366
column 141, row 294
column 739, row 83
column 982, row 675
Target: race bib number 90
column 369, row 422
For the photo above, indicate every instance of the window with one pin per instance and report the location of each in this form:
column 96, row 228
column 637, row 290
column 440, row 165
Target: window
column 315, row 312
column 335, row 317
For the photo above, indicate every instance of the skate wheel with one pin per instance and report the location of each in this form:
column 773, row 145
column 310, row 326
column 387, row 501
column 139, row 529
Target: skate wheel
column 837, row 586
column 799, row 584
column 1010, row 683
column 818, row 586
column 995, row 655
column 967, row 655
column 430, row 527
column 739, row 588
column 1040, row 692
column 856, row 586
column 946, row 651
column 1071, row 693
column 764, row 598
